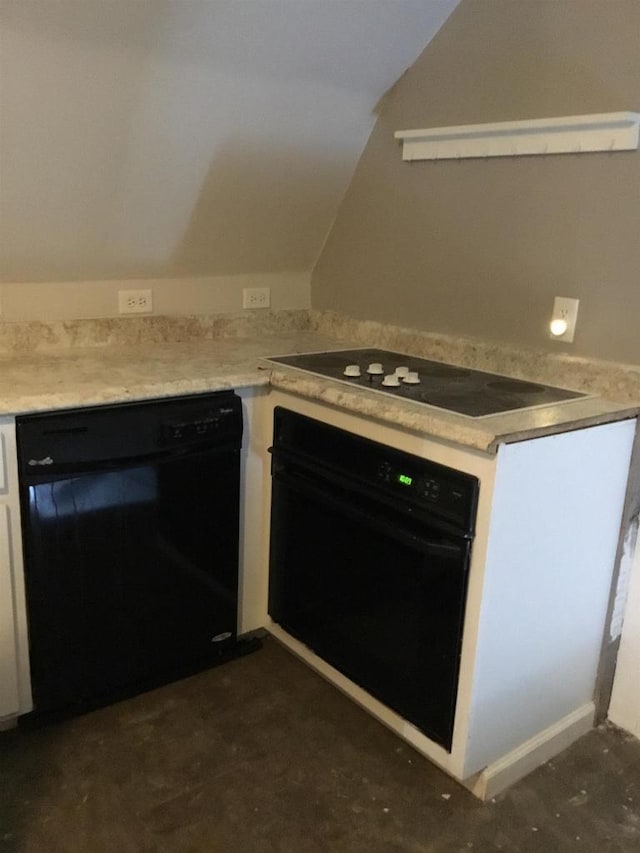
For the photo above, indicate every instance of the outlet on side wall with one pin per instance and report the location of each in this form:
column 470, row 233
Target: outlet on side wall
column 562, row 326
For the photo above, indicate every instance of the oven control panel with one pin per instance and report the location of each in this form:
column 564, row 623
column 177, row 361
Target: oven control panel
column 421, row 487
column 426, row 488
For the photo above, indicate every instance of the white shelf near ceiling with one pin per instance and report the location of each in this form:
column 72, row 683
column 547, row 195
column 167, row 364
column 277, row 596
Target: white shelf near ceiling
column 563, row 135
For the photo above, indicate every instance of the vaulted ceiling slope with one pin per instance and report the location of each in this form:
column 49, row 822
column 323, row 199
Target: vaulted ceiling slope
column 165, row 138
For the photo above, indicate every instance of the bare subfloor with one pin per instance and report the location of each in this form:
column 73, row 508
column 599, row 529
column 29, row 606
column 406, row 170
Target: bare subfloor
column 262, row 755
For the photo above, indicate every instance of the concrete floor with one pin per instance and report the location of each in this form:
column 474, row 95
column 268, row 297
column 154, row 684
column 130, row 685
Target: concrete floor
column 261, row 755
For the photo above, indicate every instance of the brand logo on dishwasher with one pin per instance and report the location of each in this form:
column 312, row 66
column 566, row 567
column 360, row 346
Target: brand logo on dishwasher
column 220, row 637
column 46, row 461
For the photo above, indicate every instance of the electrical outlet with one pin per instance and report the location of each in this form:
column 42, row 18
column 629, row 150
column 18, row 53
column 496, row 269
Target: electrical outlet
column 256, row 297
column 563, row 320
column 135, row 301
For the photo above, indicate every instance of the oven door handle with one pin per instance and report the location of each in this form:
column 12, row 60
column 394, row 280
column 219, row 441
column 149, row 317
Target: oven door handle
column 432, row 547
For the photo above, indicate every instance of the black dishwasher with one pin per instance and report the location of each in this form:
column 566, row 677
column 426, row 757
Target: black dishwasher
column 130, row 518
column 369, row 562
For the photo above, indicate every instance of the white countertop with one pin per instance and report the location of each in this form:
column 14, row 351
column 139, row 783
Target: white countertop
column 99, row 375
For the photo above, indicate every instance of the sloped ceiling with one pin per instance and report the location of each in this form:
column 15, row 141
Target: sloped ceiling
column 166, row 138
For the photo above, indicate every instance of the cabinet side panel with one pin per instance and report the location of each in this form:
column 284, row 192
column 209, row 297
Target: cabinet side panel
column 15, row 567
column 625, row 700
column 3, row 466
column 9, row 704
column 553, row 535
column 254, row 518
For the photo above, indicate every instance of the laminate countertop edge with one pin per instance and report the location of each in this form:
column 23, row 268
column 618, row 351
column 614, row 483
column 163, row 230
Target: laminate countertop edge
column 482, row 434
column 93, row 377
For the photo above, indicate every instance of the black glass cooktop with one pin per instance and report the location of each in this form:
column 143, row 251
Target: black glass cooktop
column 473, row 393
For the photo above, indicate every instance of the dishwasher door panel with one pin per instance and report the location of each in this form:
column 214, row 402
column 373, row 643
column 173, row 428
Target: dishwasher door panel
column 130, row 574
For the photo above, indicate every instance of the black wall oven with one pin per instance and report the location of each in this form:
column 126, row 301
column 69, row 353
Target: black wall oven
column 369, row 561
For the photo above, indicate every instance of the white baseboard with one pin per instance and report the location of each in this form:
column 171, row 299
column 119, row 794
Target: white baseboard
column 488, row 782
column 542, row 747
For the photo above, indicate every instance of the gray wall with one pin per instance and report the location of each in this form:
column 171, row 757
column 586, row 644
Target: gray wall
column 482, row 247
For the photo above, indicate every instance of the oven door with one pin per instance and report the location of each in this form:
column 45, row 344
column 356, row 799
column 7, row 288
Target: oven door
column 371, row 590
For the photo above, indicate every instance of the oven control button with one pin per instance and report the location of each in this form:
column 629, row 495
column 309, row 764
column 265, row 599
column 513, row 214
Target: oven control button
column 391, row 380
column 352, row 370
column 384, row 472
column 431, row 490
column 375, row 369
column 411, row 378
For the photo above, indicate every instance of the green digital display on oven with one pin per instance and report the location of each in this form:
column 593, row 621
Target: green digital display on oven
column 405, row 479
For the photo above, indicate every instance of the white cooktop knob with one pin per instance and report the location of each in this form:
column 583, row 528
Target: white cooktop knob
column 391, row 379
column 402, row 371
column 411, row 378
column 375, row 369
column 352, row 370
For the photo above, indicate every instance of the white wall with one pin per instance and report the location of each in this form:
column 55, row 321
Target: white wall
column 624, row 710
column 187, row 138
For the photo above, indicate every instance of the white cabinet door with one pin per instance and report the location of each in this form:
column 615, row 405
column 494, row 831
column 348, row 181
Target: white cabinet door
column 9, row 698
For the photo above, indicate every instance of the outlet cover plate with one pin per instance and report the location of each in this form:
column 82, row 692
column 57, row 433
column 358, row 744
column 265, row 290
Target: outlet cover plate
column 135, row 301
column 565, row 308
column 256, row 297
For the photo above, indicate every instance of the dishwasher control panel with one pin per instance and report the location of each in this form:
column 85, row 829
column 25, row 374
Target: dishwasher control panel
column 210, row 424
column 96, row 434
column 182, row 430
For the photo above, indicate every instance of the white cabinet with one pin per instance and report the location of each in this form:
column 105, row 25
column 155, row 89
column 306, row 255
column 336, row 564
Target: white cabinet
column 547, row 529
column 15, row 689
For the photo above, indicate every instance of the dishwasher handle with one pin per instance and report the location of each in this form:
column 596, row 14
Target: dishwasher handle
column 433, row 547
column 35, row 471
